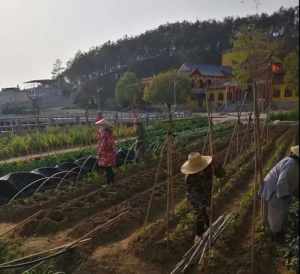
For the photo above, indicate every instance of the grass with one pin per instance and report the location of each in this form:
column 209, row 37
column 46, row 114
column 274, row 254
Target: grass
column 54, row 138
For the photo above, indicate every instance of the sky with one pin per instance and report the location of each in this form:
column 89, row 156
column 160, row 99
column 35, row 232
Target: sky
column 34, row 33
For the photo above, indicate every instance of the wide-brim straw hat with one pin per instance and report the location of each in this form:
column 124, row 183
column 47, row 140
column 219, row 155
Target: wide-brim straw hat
column 195, row 163
column 295, row 150
column 103, row 123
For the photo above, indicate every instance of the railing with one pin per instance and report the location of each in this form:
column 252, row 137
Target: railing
column 19, row 124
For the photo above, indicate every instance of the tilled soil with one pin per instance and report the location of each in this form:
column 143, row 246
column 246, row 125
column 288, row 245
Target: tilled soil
column 78, row 216
column 67, row 214
column 162, row 268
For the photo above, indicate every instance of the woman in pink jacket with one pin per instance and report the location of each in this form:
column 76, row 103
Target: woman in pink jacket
column 106, row 149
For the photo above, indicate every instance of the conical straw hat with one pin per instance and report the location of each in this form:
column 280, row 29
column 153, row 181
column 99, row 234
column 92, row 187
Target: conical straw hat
column 195, row 163
column 295, row 150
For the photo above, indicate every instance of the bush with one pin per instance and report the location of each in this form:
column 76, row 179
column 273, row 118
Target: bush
column 292, row 115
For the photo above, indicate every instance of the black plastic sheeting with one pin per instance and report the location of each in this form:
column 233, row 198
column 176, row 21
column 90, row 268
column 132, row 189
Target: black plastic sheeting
column 20, row 179
column 68, row 166
column 122, row 154
column 46, row 171
column 7, row 191
column 50, row 177
column 87, row 164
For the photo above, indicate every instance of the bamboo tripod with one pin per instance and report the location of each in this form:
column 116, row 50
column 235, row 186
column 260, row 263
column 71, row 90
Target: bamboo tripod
column 168, row 150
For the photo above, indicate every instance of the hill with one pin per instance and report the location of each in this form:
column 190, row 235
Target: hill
column 168, row 46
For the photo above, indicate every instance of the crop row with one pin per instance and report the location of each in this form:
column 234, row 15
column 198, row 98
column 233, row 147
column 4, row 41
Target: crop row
column 60, row 138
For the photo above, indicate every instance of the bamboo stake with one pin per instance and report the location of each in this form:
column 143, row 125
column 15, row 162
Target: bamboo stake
column 155, row 182
column 213, row 169
column 197, row 251
column 256, row 143
column 168, row 189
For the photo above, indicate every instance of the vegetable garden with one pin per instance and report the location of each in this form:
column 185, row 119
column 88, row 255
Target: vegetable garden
column 106, row 224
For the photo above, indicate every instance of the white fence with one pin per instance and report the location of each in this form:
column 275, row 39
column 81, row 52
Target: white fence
column 19, row 124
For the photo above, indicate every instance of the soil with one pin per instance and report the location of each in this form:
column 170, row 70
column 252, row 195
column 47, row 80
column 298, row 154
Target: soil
column 68, row 216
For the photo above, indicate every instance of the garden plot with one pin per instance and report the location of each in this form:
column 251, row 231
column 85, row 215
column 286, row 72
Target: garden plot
column 123, row 246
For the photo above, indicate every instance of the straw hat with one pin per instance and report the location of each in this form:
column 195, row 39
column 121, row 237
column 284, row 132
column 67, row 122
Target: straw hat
column 295, row 150
column 195, row 163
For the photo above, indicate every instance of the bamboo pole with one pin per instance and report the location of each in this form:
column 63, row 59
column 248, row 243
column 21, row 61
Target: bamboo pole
column 213, row 169
column 155, row 182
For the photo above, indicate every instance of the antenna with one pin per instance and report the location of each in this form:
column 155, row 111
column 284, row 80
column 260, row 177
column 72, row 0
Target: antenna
column 257, row 4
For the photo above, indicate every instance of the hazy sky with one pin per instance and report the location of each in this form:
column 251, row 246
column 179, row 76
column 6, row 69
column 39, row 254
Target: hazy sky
column 33, row 33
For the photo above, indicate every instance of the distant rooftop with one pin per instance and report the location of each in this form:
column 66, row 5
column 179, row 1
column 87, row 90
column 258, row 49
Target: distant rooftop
column 40, row 81
column 10, row 89
column 207, row 70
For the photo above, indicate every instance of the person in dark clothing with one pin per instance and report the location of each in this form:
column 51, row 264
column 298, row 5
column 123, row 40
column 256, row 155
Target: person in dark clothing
column 198, row 178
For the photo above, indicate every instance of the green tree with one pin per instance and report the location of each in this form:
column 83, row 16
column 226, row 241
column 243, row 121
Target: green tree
column 169, row 88
column 252, row 53
column 128, row 91
column 291, row 67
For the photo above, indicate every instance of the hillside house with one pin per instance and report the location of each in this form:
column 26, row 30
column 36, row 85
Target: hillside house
column 216, row 81
column 12, row 96
column 47, row 91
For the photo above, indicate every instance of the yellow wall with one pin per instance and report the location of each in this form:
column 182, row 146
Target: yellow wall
column 216, row 96
column 282, row 88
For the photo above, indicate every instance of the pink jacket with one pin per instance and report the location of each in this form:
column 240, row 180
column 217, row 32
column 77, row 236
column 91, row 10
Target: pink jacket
column 106, row 149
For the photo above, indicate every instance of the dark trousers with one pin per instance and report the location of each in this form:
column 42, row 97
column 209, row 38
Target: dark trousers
column 110, row 175
column 202, row 219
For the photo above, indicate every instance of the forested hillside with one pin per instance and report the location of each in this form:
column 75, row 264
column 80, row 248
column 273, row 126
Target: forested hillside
column 169, row 46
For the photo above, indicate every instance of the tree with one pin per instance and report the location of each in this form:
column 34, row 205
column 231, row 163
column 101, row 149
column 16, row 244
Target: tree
column 85, row 98
column 252, row 53
column 169, row 88
column 291, row 67
column 57, row 69
column 128, row 91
